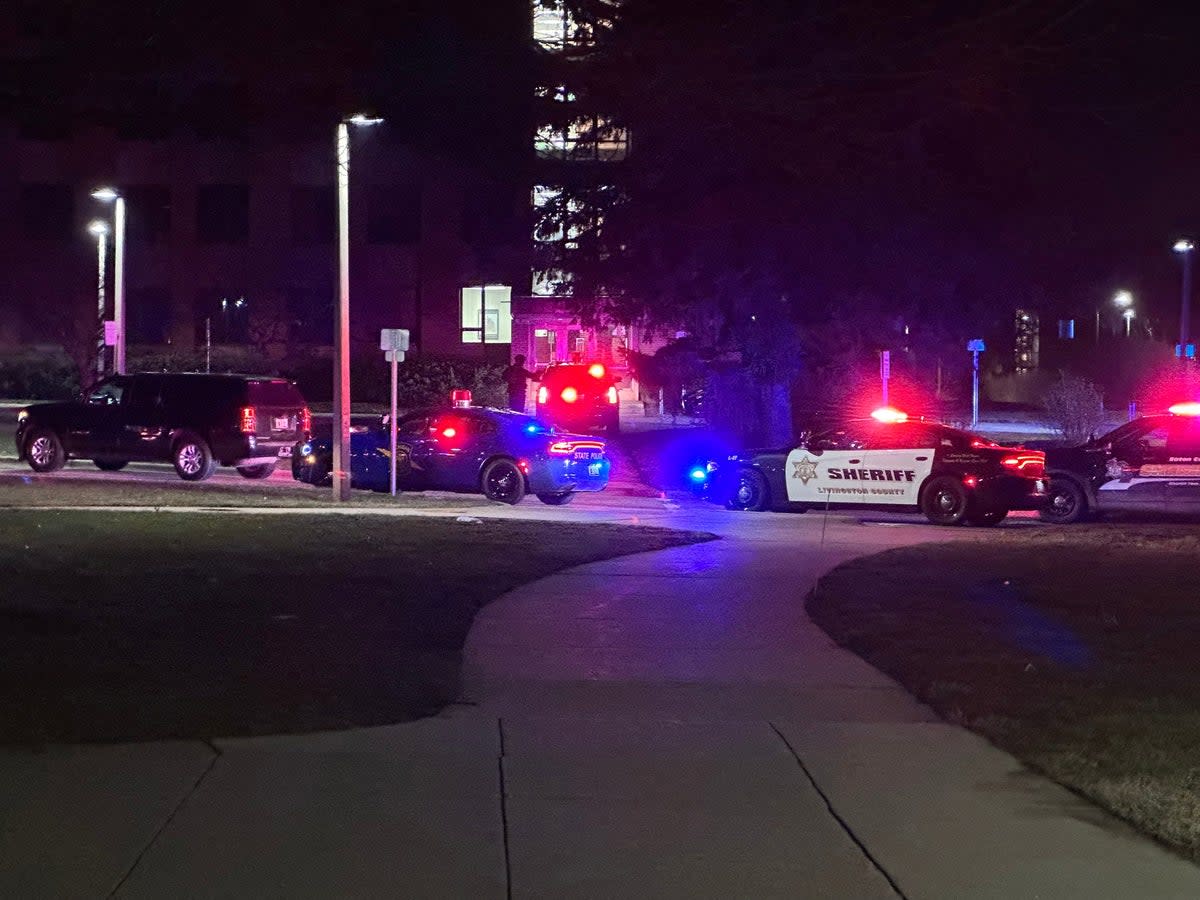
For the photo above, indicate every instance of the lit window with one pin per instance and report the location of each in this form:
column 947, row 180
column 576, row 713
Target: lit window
column 588, row 138
column 486, row 314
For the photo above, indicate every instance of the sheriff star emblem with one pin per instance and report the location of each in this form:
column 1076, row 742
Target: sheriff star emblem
column 805, row 470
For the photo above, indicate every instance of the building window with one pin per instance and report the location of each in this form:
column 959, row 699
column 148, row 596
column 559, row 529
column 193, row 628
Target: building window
column 48, row 212
column 314, row 214
column 149, row 212
column 1066, row 329
column 486, row 314
column 223, row 213
column 1025, row 348
column 584, row 139
column 557, row 30
column 394, row 214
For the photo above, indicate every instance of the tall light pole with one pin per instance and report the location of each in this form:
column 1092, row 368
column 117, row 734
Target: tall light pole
column 99, row 228
column 110, row 195
column 1128, row 315
column 1184, row 248
column 341, row 337
column 1123, row 300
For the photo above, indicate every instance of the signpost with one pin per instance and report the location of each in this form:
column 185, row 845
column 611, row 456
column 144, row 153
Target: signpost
column 975, row 347
column 885, row 372
column 394, row 341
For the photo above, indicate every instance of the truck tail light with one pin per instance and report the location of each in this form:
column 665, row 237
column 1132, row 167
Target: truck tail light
column 1031, row 465
column 569, row 395
column 612, row 394
column 306, row 420
column 249, row 419
column 543, row 394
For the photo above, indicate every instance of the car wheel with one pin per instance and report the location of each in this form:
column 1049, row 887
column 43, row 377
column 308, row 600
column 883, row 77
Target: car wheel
column 944, row 501
column 192, row 458
column 750, row 492
column 263, row 471
column 987, row 516
column 503, row 482
column 1066, row 502
column 557, row 499
column 44, row 451
column 110, row 465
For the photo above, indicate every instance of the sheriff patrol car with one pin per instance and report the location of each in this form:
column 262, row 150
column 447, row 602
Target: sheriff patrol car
column 1151, row 464
column 887, row 461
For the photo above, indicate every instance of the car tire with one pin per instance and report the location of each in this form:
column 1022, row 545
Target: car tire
column 987, row 517
column 750, row 492
column 944, row 501
column 255, row 472
column 1066, row 502
column 503, row 482
column 44, row 451
column 192, row 458
column 557, row 499
column 110, row 465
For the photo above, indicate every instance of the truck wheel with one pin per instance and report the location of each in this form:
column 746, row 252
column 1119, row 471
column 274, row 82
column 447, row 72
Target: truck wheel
column 263, row 471
column 44, row 451
column 750, row 492
column 192, row 458
column 503, row 482
column 1067, row 502
column 944, row 501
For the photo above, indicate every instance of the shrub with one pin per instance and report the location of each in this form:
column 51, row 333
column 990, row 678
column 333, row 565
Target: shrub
column 38, row 376
column 1075, row 407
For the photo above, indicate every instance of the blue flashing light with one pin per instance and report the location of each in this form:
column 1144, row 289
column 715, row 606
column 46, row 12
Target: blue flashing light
column 698, row 474
column 305, row 449
column 531, row 428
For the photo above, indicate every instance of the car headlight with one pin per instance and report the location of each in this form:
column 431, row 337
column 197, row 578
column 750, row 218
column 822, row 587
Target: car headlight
column 305, row 449
column 22, row 416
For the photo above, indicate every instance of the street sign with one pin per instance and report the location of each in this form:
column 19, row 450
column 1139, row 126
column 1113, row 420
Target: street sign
column 394, row 356
column 110, row 333
column 393, row 339
column 975, row 346
column 885, row 364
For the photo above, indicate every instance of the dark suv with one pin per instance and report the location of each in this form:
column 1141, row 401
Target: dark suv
column 196, row 422
column 579, row 396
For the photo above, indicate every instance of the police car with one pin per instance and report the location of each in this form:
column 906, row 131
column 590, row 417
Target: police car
column 887, row 461
column 499, row 453
column 1151, row 464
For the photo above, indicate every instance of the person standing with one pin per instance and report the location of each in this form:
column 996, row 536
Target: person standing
column 515, row 378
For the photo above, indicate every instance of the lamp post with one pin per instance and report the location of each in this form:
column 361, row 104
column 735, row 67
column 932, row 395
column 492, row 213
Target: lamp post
column 1128, row 315
column 341, row 337
column 99, row 228
column 1123, row 300
column 1184, row 248
column 110, row 195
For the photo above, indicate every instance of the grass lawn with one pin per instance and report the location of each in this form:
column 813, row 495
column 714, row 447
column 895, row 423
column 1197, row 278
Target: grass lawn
column 1075, row 649
column 132, row 626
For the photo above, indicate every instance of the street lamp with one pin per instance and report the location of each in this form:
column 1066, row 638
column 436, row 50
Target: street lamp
column 341, row 340
column 110, row 195
column 1184, row 248
column 1122, row 300
column 99, row 228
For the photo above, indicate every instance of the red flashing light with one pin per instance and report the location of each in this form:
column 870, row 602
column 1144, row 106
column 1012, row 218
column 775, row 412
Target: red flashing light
column 523, row 465
column 1185, row 409
column 543, row 394
column 449, row 432
column 982, row 444
column 971, row 481
column 249, row 420
column 306, row 420
column 596, row 370
column 569, row 395
column 460, row 397
column 612, row 394
column 889, row 415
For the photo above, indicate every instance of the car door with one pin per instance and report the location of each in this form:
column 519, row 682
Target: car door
column 899, row 457
column 1182, row 466
column 143, row 428
column 824, row 469
column 1138, row 479
column 95, row 428
column 413, row 451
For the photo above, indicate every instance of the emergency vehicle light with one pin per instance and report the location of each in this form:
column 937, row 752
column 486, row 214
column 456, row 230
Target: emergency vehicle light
column 460, row 397
column 889, row 415
column 596, row 370
column 1185, row 409
column 698, row 474
column 570, row 395
column 543, row 394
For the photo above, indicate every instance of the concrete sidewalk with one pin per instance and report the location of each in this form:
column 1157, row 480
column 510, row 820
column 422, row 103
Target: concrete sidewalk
column 662, row 725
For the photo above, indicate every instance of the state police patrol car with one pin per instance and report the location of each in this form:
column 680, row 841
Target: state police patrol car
column 1151, row 464
column 888, row 461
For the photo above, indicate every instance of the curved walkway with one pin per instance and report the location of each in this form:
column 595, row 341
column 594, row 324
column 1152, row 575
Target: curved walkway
column 662, row 725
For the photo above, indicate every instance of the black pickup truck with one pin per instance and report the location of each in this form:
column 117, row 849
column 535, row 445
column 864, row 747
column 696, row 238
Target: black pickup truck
column 194, row 421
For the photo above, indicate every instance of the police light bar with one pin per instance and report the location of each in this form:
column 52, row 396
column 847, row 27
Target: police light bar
column 889, row 415
column 460, row 397
column 1185, row 409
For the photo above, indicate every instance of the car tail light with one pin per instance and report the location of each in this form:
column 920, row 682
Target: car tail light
column 306, row 420
column 249, row 420
column 596, row 370
column 569, row 395
column 612, row 394
column 543, row 394
column 449, row 432
column 562, row 448
column 1032, row 465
